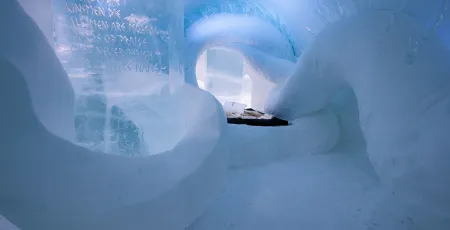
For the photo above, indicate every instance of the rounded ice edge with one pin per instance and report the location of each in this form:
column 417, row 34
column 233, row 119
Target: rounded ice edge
column 82, row 189
column 184, row 200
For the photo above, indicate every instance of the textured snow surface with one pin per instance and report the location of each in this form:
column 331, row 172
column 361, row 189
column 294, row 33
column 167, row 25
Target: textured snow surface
column 337, row 190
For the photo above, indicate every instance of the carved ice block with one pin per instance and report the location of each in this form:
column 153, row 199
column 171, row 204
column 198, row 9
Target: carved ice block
column 116, row 35
column 117, row 53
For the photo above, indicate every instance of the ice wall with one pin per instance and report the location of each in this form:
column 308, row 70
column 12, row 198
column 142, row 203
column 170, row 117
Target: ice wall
column 303, row 19
column 401, row 93
column 394, row 61
column 300, row 21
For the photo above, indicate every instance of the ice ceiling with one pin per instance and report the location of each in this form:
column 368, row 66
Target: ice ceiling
column 364, row 84
column 298, row 21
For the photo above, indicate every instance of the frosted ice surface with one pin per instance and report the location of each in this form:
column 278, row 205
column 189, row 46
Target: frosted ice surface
column 123, row 60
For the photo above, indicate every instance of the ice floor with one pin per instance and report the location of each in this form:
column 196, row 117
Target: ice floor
column 333, row 190
column 309, row 193
column 326, row 191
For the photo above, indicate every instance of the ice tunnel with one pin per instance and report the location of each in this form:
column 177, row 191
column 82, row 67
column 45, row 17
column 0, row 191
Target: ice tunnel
column 116, row 114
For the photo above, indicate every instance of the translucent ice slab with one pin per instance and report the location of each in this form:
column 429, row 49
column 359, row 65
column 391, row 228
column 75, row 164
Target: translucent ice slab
column 121, row 56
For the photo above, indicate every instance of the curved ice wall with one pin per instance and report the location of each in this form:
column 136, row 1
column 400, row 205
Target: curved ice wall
column 257, row 33
column 296, row 21
column 305, row 20
column 65, row 186
column 394, row 56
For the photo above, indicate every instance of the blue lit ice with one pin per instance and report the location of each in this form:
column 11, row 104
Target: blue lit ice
column 104, row 126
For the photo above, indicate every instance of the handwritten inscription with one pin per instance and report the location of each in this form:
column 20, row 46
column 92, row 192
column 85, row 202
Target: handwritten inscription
column 113, row 39
column 119, row 66
column 115, row 35
column 115, row 26
column 92, row 10
column 118, row 52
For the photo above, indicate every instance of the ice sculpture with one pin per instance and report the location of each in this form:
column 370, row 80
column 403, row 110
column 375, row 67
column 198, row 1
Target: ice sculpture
column 27, row 48
column 403, row 106
column 49, row 183
column 119, row 55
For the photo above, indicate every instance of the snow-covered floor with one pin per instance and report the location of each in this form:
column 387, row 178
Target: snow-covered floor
column 316, row 192
column 328, row 191
column 334, row 190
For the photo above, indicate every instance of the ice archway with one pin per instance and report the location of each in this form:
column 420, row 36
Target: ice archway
column 247, row 37
column 257, row 34
column 271, row 53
